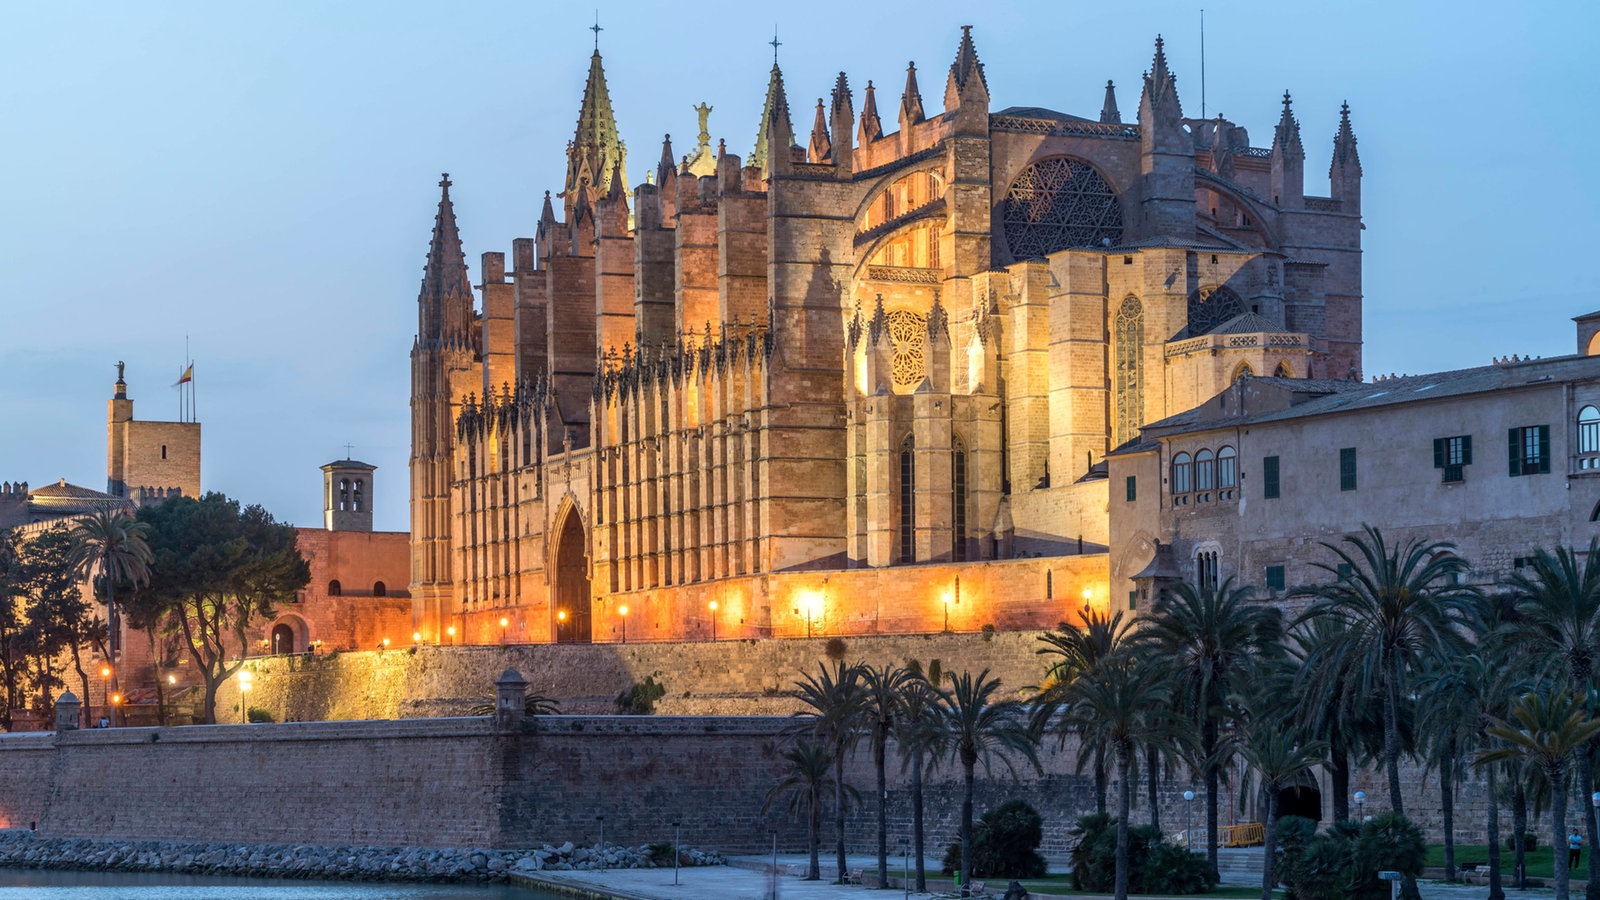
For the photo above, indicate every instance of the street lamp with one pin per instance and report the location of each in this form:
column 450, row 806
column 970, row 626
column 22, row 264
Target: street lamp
column 245, row 685
column 1361, row 806
column 451, row 631
column 602, row 845
column 503, row 623
column 676, row 831
column 623, row 611
column 1188, row 829
column 105, row 677
column 947, row 599
column 416, row 639
column 905, row 876
column 713, row 606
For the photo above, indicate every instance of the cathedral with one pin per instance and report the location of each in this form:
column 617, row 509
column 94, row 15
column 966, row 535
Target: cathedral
column 863, row 379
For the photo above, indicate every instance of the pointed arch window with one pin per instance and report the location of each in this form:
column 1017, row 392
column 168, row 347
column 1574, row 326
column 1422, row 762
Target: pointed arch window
column 1129, row 376
column 958, row 500
column 1059, row 203
column 908, row 501
column 1284, row 371
column 1244, row 371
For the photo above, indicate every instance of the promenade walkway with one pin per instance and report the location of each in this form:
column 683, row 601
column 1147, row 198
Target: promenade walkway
column 748, row 878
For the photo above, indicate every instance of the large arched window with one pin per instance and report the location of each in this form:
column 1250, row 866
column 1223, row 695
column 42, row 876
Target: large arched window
column 1129, row 376
column 908, row 501
column 1182, row 476
column 958, row 500
column 1205, row 471
column 1210, row 307
column 1059, row 203
column 1227, row 468
column 1589, row 430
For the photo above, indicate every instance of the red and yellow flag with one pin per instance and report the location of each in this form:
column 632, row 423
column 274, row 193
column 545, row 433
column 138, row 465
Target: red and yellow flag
column 187, row 376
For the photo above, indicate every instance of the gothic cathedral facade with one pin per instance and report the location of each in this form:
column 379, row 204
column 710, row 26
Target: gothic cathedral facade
column 832, row 380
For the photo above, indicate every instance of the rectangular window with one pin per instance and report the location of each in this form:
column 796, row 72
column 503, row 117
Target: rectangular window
column 1275, row 578
column 1453, row 454
column 1133, row 489
column 1133, row 599
column 1347, row 469
column 1528, row 450
column 1269, row 477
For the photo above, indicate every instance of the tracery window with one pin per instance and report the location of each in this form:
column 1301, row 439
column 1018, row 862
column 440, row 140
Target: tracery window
column 1059, row 203
column 908, row 332
column 1284, row 371
column 1244, row 371
column 1206, row 569
column 1210, row 307
column 908, row 501
column 1129, row 377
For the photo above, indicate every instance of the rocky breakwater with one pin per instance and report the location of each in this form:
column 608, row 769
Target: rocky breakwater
column 25, row 849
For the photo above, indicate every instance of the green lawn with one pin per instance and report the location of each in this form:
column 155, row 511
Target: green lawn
column 1538, row 859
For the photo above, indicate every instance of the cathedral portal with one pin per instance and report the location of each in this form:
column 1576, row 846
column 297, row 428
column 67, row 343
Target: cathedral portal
column 572, row 582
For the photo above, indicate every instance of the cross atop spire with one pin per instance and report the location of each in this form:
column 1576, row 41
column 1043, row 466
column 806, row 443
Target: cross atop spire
column 775, row 44
column 1286, row 138
column 445, row 182
column 1344, row 145
column 596, row 29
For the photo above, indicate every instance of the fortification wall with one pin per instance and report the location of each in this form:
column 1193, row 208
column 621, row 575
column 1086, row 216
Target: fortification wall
column 725, row 677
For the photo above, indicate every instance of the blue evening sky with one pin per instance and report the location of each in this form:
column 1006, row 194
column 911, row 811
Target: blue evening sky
column 261, row 177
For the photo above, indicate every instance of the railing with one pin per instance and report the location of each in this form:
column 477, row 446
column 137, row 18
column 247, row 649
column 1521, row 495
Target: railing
column 1246, row 834
column 903, row 274
column 1024, row 125
column 1257, row 152
column 1324, row 204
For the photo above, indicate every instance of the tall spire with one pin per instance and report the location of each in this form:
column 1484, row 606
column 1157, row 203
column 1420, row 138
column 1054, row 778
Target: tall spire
column 774, row 112
column 1286, row 137
column 911, row 99
column 821, row 149
column 596, row 150
column 871, row 126
column 665, row 165
column 841, row 94
column 1108, row 110
column 1160, row 85
column 1344, row 145
column 446, row 297
column 965, row 72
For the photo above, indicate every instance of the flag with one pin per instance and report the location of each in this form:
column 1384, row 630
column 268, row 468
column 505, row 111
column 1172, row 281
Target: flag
column 187, row 376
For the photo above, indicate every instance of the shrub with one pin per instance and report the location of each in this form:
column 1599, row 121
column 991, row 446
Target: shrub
column 1344, row 861
column 1530, row 841
column 640, row 699
column 259, row 715
column 660, row 853
column 1153, row 864
column 835, row 648
column 1295, row 834
column 1387, row 842
column 1005, row 844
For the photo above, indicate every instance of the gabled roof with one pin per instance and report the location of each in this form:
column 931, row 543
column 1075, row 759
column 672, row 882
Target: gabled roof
column 1248, row 323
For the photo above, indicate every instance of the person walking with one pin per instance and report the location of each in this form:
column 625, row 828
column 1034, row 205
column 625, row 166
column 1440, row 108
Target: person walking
column 1574, row 849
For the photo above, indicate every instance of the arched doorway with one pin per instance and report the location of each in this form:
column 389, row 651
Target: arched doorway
column 1301, row 800
column 282, row 639
column 572, row 582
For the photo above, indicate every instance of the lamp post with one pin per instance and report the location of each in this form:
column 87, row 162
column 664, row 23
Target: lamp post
column 504, row 623
column 947, row 599
column 1188, row 829
column 773, row 895
column 623, row 612
column 245, row 677
column 105, row 679
column 602, row 844
column 561, row 625
column 713, row 607
column 416, row 639
column 676, row 832
column 905, row 875
column 1361, row 806
column 451, row 632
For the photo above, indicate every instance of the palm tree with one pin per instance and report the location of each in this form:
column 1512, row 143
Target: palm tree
column 1124, row 704
column 919, row 739
column 1208, row 639
column 882, row 706
column 1075, row 651
column 1279, row 758
column 806, row 785
column 835, row 719
column 1397, row 605
column 981, row 727
column 1559, row 604
column 112, row 542
column 1333, row 709
column 1547, row 733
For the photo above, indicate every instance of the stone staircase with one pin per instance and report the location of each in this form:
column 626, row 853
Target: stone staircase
column 1240, row 865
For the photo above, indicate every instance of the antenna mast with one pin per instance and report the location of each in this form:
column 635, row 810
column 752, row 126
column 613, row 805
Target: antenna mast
column 1202, row 63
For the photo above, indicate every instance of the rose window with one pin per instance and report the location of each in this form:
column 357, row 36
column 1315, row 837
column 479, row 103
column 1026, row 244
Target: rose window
column 1059, row 203
column 908, row 334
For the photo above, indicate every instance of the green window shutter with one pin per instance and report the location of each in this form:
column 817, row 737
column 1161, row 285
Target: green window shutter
column 1466, row 450
column 1438, row 452
column 1269, row 477
column 1133, row 489
column 1275, row 578
column 1544, row 449
column 1347, row 469
column 1514, row 450
column 1133, row 599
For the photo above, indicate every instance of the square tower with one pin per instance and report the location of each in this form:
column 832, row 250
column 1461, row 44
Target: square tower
column 347, row 495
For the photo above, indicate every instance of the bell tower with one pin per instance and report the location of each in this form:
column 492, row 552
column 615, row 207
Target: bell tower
column 347, row 495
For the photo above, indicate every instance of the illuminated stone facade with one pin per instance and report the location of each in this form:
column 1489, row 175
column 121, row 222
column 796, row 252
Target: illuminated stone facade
column 852, row 361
